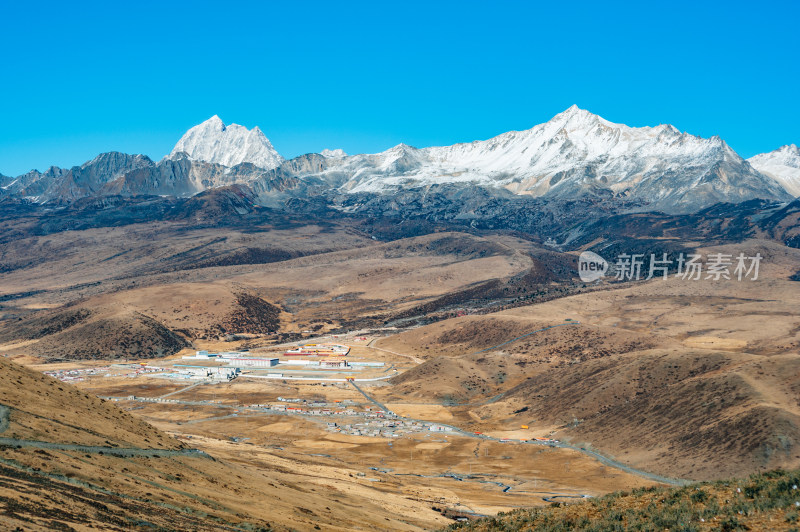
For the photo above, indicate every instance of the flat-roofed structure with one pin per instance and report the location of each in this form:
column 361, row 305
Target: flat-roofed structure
column 252, row 362
column 319, row 349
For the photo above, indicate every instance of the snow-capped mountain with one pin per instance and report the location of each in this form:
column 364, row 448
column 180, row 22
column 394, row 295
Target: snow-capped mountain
column 783, row 165
column 575, row 153
column 214, row 142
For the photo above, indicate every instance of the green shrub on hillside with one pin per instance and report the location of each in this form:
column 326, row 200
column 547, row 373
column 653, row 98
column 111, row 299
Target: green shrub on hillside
column 767, row 501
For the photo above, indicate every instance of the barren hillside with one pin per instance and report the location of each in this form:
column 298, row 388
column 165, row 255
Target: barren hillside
column 691, row 379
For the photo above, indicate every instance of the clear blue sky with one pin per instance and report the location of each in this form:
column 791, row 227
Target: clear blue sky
column 77, row 79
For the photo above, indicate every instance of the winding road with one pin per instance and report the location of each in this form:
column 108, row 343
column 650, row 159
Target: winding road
column 125, row 452
column 603, row 459
column 563, row 445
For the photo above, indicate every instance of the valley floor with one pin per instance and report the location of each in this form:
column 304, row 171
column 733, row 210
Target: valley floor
column 452, row 471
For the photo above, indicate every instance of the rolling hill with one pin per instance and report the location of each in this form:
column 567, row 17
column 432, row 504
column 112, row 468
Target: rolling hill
column 691, row 379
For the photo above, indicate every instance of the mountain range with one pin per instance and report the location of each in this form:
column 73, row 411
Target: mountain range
column 574, row 155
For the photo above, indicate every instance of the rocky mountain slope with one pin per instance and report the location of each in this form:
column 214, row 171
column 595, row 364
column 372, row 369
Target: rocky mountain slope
column 117, row 173
column 783, row 165
column 88, row 179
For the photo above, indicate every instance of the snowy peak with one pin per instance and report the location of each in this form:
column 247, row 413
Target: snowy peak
column 214, row 123
column 782, row 165
column 333, row 154
column 214, row 142
column 576, row 118
column 789, row 155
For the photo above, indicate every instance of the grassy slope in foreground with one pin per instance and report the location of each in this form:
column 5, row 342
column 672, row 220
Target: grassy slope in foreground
column 766, row 501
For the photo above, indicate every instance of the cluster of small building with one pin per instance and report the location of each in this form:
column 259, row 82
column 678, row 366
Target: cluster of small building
column 375, row 422
column 234, row 358
column 228, row 365
column 243, row 360
column 314, row 408
column 323, row 364
column 386, row 428
column 114, row 370
column 77, row 375
column 218, row 374
column 147, row 399
column 319, row 350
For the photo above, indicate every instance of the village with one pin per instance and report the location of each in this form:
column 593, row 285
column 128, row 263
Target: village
column 309, row 362
column 315, row 364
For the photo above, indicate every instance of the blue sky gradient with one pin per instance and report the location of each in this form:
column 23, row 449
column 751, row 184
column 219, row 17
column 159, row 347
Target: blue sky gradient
column 84, row 78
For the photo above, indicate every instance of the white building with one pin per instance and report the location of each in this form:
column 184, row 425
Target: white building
column 252, row 362
column 200, row 355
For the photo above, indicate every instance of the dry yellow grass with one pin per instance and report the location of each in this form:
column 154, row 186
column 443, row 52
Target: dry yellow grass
column 690, row 379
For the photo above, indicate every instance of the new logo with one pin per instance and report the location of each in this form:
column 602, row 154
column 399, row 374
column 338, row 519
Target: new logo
column 591, row 266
